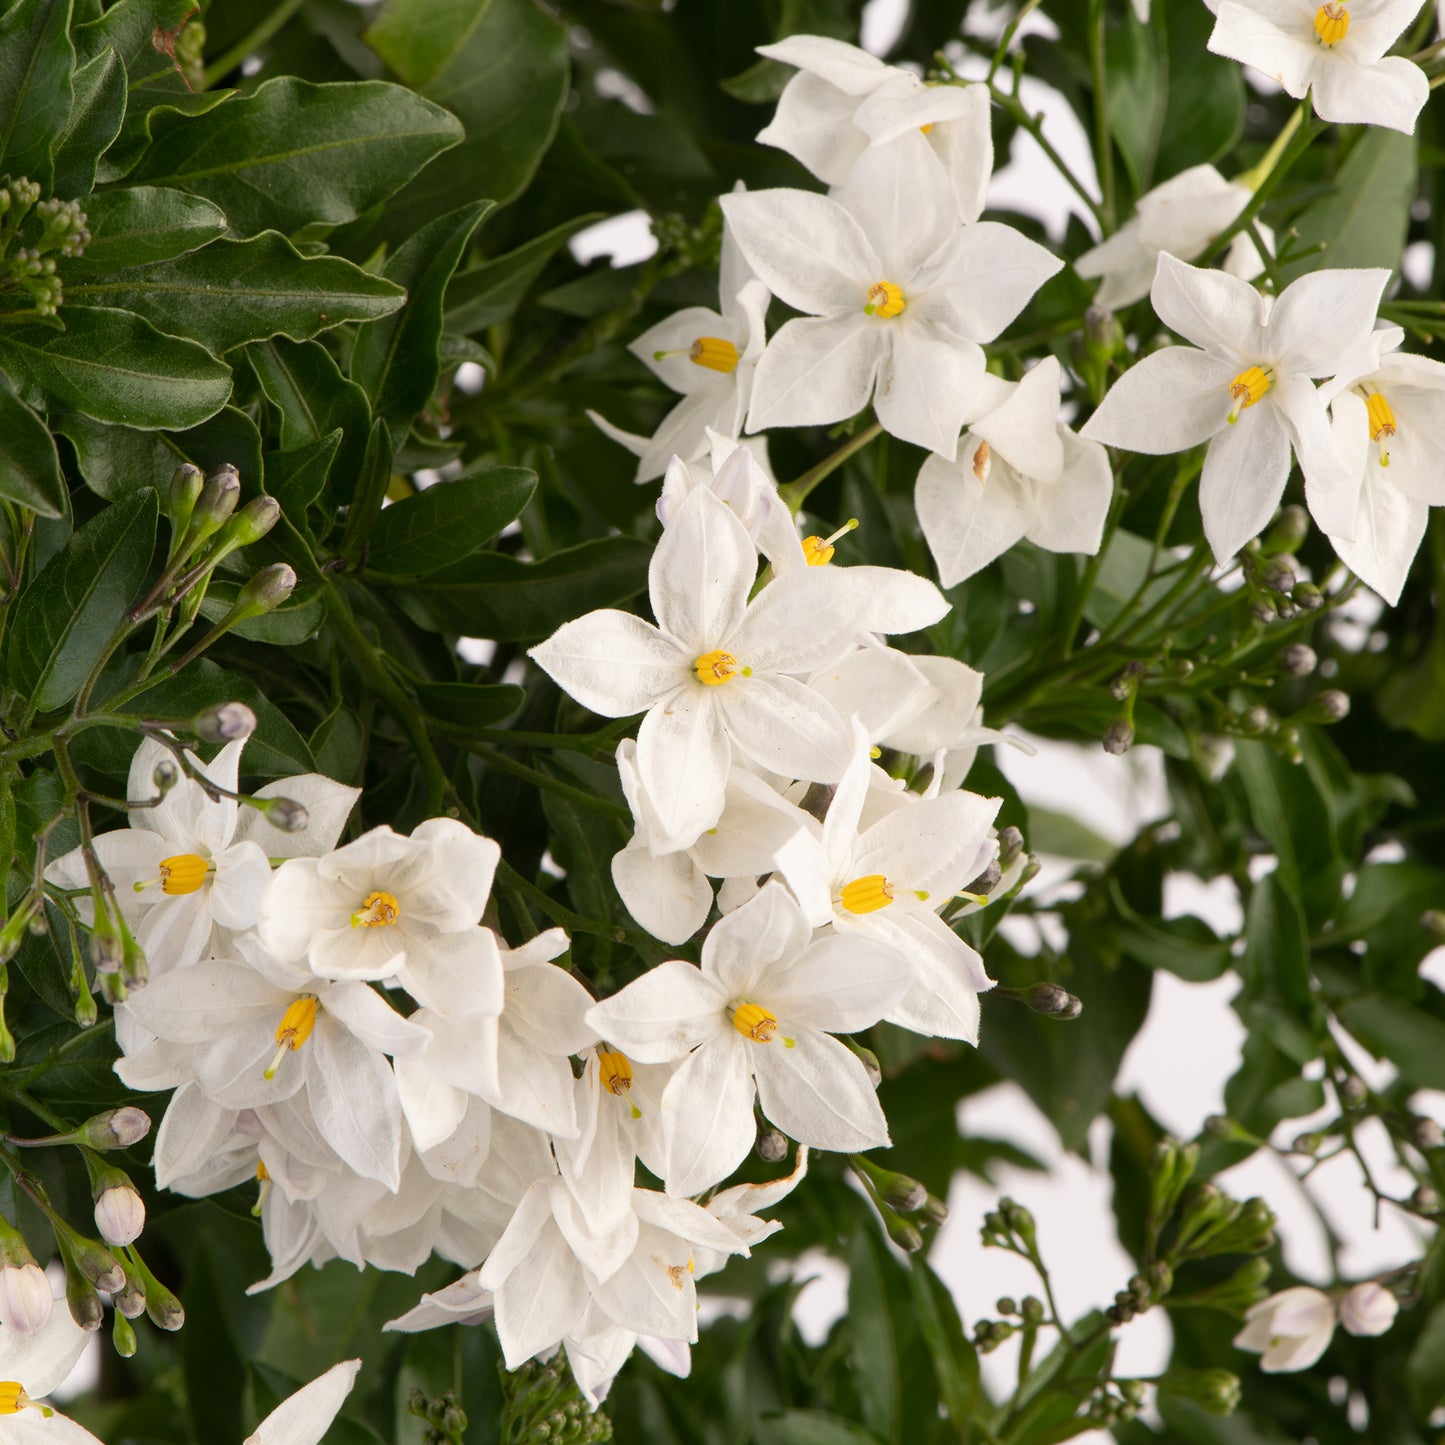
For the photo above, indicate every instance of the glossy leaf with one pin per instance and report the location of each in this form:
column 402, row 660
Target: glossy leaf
column 140, row 225
column 448, row 521
column 470, row 704
column 29, row 467
column 96, row 114
column 36, row 61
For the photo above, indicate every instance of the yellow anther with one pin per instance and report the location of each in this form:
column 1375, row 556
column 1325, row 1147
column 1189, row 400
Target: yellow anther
column 926, row 129
column 885, row 301
column 263, row 1178
column 262, row 1173
column 379, row 910
column 817, row 552
column 755, row 1022
column 184, row 873
column 294, row 1029
column 1382, row 424
column 715, row 668
column 1246, row 389
column 1332, row 22
column 714, row 353
column 13, row 1399
column 614, row 1071
column 982, row 462
column 867, row 894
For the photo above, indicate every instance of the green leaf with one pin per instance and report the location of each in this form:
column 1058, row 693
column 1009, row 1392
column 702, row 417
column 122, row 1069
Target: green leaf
column 493, row 595
column 873, row 1350
column 1425, row 1369
column 448, row 521
column 955, row 1361
column 396, row 361
column 141, row 225
column 1413, row 1040
column 490, row 292
column 95, row 119
column 36, row 61
column 231, row 292
column 811, row 1427
column 292, row 154
column 1121, row 573
column 29, row 465
column 1204, row 94
column 1364, row 217
column 1138, row 90
column 115, row 367
column 1276, row 961
column 1384, row 912
column 470, row 704
column 294, row 621
column 67, row 614
column 295, row 478
column 501, row 67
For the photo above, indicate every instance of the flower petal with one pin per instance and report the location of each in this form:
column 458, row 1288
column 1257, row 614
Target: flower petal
column 818, row 1093
column 841, row 984
column 612, row 662
column 669, row 896
column 900, row 195
column 982, row 277
column 683, row 757
column 303, row 1418
column 1245, row 471
column 1070, row 516
column 767, row 930
column 1386, row 534
column 967, row 523
column 1214, row 310
column 1321, row 317
column 1169, row 401
column 817, row 370
column 786, row 727
column 701, row 572
column 1392, row 92
column 928, row 387
column 707, row 1113
column 663, row 1015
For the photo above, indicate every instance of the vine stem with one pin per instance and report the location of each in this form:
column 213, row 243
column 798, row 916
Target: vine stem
column 795, row 493
column 227, row 62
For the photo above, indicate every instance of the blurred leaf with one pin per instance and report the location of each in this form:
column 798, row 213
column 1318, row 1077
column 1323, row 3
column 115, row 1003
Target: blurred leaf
column 68, row 613
column 1138, row 94
column 489, row 293
column 1411, row 1039
column 29, row 467
column 449, row 520
column 1204, row 97
column 955, row 1361
column 1425, row 1368
column 811, row 1427
column 141, row 225
column 36, row 61
column 873, row 1353
column 95, row 118
column 470, row 704
column 1384, row 913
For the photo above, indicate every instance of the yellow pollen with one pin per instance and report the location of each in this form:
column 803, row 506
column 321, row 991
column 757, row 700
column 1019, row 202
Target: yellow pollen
column 818, row 551
column 614, row 1071
column 1246, row 389
column 714, row 353
column 715, row 668
column 1382, row 423
column 184, row 873
column 867, row 894
column 1332, row 22
column 885, row 301
column 262, row 1173
column 755, row 1022
column 263, row 1178
column 294, row 1029
column 379, row 910
column 982, row 462
column 13, row 1399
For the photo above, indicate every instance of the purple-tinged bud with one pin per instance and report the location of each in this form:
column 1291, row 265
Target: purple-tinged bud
column 130, row 1301
column 1277, row 574
column 771, row 1146
column 1256, row 720
column 97, row 1263
column 1307, row 597
column 1070, row 1010
column 1426, row 1134
column 120, row 1214
column 283, row 813
column 1331, row 706
column 1010, row 845
column 1048, row 998
column 162, row 1306
column 225, row 723
column 1352, row 1091
column 217, row 500
column 25, row 1298
column 85, row 1306
column 115, row 1128
column 1119, row 736
column 107, row 948
column 934, row 1212
column 1298, row 660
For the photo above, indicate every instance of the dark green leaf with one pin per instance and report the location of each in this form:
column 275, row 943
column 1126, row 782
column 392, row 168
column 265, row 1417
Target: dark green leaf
column 95, row 119
column 490, row 292
column 295, row 620
column 1425, row 1369
column 1137, row 95
column 449, row 520
column 873, row 1351
column 65, row 617
column 470, row 704
column 140, row 225
column 955, row 1361
column 1276, row 946
column 1413, row 1040
column 501, row 67
column 236, row 291
column 1205, row 94
column 292, row 154
column 116, row 367
column 396, row 361
column 491, row 595
column 36, row 61
column 29, row 466
column 338, row 743
column 811, row 1427
column 295, row 478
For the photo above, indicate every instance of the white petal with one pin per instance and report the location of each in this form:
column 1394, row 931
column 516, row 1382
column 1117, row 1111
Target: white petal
column 786, row 727
column 817, row 370
column 353, row 1098
column 929, row 846
column 661, row 1016
column 967, row 523
column 900, row 195
column 818, row 1093
column 1253, row 36
column 363, row 1012
column 927, row 387
column 1391, row 92
column 1070, row 516
column 675, row 337
column 965, row 146
column 845, row 67
column 701, row 572
column 307, row 1415
column 328, row 804
column 840, row 984
column 881, row 687
column 813, row 122
column 205, row 1001
column 986, row 275
column 541, row 1299
column 1306, row 423
column 433, row 1108
column 548, row 1008
column 1245, row 471
column 669, row 896
column 707, row 1114
column 41, row 1361
column 1387, row 532
column 767, row 930
column 612, row 662
column 1169, row 401
column 1024, row 430
column 943, row 999
column 804, row 620
column 1323, row 315
column 1214, row 310
column 1334, row 497
column 683, row 759
column 901, row 601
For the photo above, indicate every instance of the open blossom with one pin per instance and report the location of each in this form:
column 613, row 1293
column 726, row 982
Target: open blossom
column 898, row 296
column 844, row 100
column 1336, row 51
column 1247, row 391
column 1181, row 217
column 1291, row 1329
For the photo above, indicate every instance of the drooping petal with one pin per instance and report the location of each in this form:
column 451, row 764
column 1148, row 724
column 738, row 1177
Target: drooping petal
column 683, row 759
column 669, row 896
column 1070, row 516
column 701, row 572
column 363, row 1012
column 942, row 1001
column 817, row 370
column 1245, row 471
column 541, row 1299
column 303, row 1418
column 1386, row 534
column 548, row 1009
column 1167, row 402
column 965, row 146
column 663, row 1015
column 612, row 662
column 818, row 1093
column 707, row 1113
column 786, row 727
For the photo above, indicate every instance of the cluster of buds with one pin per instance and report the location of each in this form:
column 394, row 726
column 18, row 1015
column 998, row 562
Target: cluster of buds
column 1027, row 1314
column 1271, row 571
column 543, row 1407
column 41, row 233
column 1118, row 1405
column 1143, row 1292
column 445, row 1418
column 904, row 1204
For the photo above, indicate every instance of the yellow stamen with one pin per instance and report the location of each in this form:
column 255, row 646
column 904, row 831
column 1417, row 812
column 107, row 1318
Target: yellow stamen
column 13, row 1400
column 184, row 873
column 926, row 129
column 818, row 551
column 755, row 1022
column 867, row 894
column 379, row 910
column 714, row 353
column 982, row 462
column 614, row 1071
column 294, row 1029
column 263, row 1178
column 1332, row 22
column 885, row 301
column 1246, row 389
column 715, row 668
column 1382, row 424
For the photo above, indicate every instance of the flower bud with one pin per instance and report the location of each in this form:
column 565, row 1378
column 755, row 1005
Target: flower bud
column 1433, row 922
column 1425, row 1200
column 900, row 1192
column 224, row 723
column 1070, row 1010
column 934, row 1212
column 269, row 588
column 216, row 502
column 185, row 489
column 1277, row 574
column 1256, row 720
column 986, row 881
column 903, row 1232
column 1048, row 998
column 1352, row 1091
column 165, row 776
column 1103, row 336
column 1298, row 660
column 1262, row 609
column 95, row 1262
column 1426, row 1134
column 25, row 1298
column 1010, row 845
column 1216, row 1391
column 251, row 523
column 1368, row 1309
column 107, row 948
column 1288, row 532
column 120, row 1214
column 122, row 1336
column 1006, row 1305
column 283, row 813
column 1119, row 736
column 115, row 1128
column 1330, row 706
column 130, row 1301
column 771, row 1145
column 162, row 1307
column 869, row 1060
column 1032, row 1310
column 1307, row 597
column 84, row 1304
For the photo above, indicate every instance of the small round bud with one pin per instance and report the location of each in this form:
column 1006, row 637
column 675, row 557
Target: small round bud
column 120, row 1214
column 1433, row 922
column 1119, row 736
column 1426, row 1134
column 1308, row 1143
column 1256, row 720
column 1132, row 1390
column 1262, row 609
column 284, row 813
column 1070, row 1010
column 165, row 776
column 131, row 1301
column 253, row 521
column 934, row 1212
column 1298, row 660
column 218, row 499
column 1368, row 1309
column 1425, row 1200
column 1010, row 845
column 1307, row 597
column 986, row 881
column 1048, row 998
column 771, row 1146
column 162, row 1307
column 122, row 1336
column 85, row 1306
column 1330, row 706
column 1218, row 1125
column 225, row 723
column 25, row 1298
column 270, row 587
column 1032, row 1310
column 1103, row 336
column 1277, row 575
column 116, row 1128
column 1352, row 1091
column 1007, row 1305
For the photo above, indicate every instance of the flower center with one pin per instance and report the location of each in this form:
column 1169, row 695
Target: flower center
column 378, row 911
column 755, row 1022
column 293, row 1030
column 982, row 462
column 885, row 301
column 614, row 1071
column 1382, row 423
column 13, row 1399
column 182, row 874
column 715, row 668
column 1246, row 389
column 1332, row 22
column 867, row 894
column 714, row 353
column 818, row 551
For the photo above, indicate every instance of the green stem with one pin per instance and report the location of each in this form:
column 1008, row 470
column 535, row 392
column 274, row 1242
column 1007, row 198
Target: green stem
column 248, row 44
column 796, row 493
column 1033, row 124
column 1006, row 39
column 499, row 760
column 1103, row 140
column 1291, row 143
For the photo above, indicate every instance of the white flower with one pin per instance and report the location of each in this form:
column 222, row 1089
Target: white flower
column 1368, row 1309
column 1291, row 1329
column 1247, row 392
column 1336, row 51
column 845, row 100
column 1389, row 423
column 886, row 883
column 739, row 1207
column 25, row 1298
column 1181, row 217
column 899, row 296
column 303, row 1418
column 710, row 357
column 389, row 907
column 1020, row 473
column 879, row 687
column 717, row 670
column 760, row 1011
column 31, row 1366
